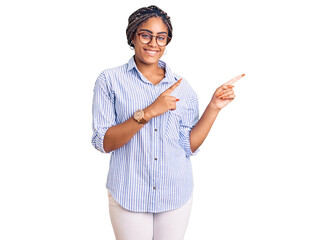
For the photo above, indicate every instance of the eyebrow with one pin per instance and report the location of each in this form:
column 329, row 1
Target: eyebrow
column 146, row 30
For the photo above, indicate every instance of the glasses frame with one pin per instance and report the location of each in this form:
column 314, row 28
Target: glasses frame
column 151, row 38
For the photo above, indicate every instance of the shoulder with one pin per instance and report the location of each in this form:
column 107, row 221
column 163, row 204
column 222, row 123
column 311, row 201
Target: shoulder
column 111, row 76
column 110, row 73
column 185, row 86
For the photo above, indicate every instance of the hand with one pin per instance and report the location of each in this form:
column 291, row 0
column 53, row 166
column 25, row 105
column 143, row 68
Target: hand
column 163, row 103
column 224, row 94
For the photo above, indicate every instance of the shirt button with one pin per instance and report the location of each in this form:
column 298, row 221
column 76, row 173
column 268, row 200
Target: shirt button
column 154, row 188
column 155, row 158
column 155, row 129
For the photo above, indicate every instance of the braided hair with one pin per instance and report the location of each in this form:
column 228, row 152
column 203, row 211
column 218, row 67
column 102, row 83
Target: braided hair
column 143, row 14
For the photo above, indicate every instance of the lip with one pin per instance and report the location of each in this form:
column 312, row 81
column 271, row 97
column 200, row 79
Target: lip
column 152, row 52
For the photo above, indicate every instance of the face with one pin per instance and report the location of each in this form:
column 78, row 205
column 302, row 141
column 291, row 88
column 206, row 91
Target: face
column 151, row 52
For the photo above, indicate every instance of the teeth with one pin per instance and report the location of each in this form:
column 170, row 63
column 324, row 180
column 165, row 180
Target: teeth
column 151, row 52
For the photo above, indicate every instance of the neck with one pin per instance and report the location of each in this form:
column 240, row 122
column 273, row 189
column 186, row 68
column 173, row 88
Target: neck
column 146, row 68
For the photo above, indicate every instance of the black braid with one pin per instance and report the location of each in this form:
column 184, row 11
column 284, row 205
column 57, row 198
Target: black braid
column 143, row 14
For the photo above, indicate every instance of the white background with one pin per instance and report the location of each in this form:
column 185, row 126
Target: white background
column 266, row 170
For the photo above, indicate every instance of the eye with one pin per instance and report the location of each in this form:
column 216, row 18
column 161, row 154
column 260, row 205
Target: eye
column 162, row 38
column 144, row 35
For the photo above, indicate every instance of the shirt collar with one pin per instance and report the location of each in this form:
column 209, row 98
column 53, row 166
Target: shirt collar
column 169, row 75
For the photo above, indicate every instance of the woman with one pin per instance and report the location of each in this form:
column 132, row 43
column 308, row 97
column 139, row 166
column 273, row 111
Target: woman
column 147, row 117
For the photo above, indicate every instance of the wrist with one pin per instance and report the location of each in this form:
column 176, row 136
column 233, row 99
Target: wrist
column 213, row 108
column 148, row 115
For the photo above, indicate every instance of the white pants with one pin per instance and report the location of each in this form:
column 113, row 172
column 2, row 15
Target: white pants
column 127, row 225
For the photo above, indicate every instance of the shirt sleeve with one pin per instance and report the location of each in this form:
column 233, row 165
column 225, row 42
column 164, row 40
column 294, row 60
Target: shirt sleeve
column 103, row 111
column 189, row 120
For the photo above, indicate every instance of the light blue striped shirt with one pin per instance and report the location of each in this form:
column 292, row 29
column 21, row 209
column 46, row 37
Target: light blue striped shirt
column 152, row 172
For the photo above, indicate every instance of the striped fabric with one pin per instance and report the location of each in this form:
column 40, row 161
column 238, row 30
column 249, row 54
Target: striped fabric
column 152, row 172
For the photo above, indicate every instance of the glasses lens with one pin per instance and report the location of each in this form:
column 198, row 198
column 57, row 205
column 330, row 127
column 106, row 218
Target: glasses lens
column 161, row 40
column 145, row 38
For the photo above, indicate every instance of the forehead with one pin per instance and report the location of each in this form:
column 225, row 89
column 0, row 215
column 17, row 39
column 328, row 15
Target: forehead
column 154, row 24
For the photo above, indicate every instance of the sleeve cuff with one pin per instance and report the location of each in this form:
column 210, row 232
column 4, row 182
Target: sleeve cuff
column 187, row 148
column 98, row 141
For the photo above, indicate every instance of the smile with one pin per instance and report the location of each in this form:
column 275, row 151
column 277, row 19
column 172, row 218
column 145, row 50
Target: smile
column 151, row 53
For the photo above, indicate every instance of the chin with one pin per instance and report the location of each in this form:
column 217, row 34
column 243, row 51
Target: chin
column 150, row 60
column 149, row 57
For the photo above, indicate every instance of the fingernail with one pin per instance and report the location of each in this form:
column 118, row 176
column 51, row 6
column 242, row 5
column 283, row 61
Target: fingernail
column 177, row 99
column 243, row 74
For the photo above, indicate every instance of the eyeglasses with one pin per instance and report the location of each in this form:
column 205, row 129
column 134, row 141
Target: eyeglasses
column 161, row 40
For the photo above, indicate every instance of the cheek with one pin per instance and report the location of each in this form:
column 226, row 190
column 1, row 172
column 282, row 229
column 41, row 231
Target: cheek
column 137, row 48
column 162, row 52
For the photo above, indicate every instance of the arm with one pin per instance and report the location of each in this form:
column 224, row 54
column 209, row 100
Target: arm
column 107, row 134
column 118, row 135
column 222, row 97
column 199, row 132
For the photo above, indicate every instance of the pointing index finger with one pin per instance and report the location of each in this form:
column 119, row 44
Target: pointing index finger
column 235, row 79
column 172, row 87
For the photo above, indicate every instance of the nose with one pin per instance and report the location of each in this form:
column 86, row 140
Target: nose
column 153, row 42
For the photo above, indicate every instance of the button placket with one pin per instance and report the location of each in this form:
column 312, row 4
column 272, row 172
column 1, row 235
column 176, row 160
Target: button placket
column 156, row 142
